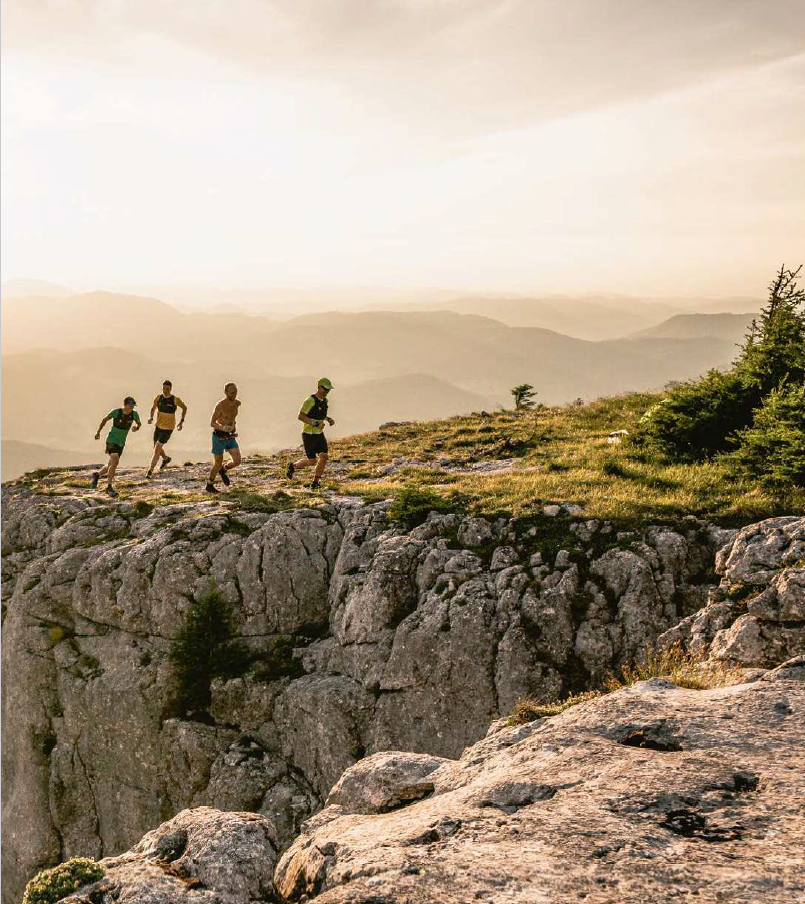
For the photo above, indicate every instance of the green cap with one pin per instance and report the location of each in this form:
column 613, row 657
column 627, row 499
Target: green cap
column 325, row 383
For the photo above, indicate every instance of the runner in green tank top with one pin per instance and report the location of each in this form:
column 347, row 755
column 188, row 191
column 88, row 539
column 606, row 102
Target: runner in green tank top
column 123, row 420
column 314, row 414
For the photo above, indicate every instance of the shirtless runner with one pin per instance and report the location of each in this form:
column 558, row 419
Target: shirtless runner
column 223, row 437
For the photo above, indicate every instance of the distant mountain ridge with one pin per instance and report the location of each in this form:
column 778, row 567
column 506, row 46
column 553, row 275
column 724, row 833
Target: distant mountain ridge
column 727, row 327
column 72, row 359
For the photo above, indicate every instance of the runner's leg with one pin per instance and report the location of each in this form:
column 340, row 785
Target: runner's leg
column 236, row 459
column 157, row 452
column 217, row 464
column 321, row 464
column 111, row 468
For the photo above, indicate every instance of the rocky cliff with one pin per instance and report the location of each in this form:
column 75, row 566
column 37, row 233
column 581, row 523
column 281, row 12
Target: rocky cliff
column 355, row 635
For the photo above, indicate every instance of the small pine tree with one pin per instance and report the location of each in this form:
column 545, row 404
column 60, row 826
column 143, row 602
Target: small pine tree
column 205, row 648
column 773, row 448
column 773, row 352
column 524, row 396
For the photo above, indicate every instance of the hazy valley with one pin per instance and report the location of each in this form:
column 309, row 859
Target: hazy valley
column 68, row 359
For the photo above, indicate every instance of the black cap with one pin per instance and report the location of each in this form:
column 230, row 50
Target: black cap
column 129, row 401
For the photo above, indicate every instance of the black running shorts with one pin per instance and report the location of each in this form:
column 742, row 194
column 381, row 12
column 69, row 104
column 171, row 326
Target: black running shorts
column 161, row 435
column 114, row 449
column 315, row 444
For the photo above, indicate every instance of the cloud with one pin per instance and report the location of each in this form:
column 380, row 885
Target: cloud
column 445, row 66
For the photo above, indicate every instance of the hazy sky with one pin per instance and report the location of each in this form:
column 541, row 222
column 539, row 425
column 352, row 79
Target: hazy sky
column 539, row 145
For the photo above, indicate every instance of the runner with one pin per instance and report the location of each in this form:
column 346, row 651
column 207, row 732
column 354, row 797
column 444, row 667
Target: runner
column 313, row 414
column 223, row 437
column 165, row 404
column 123, row 419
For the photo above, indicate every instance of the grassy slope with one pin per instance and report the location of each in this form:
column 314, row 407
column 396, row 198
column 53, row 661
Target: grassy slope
column 567, row 459
column 564, row 457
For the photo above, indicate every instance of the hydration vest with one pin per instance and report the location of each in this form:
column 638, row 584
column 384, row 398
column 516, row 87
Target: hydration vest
column 168, row 406
column 319, row 410
column 122, row 420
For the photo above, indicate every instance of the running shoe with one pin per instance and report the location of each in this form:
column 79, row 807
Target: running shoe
column 289, row 470
column 315, row 485
column 211, row 488
column 111, row 491
column 225, row 477
column 95, row 478
column 164, row 463
column 149, row 475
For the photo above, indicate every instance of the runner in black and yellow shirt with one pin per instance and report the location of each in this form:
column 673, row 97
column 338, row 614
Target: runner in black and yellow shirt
column 123, row 419
column 314, row 414
column 165, row 404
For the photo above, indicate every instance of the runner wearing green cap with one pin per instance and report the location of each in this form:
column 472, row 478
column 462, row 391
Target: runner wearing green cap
column 123, row 419
column 313, row 415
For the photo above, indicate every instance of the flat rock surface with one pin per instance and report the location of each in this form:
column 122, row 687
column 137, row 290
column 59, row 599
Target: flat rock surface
column 651, row 794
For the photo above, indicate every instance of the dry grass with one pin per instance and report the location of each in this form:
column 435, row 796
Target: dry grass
column 674, row 664
column 683, row 668
column 565, row 458
column 560, row 455
column 527, row 708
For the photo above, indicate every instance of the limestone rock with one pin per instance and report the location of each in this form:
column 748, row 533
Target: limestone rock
column 361, row 636
column 647, row 795
column 200, row 855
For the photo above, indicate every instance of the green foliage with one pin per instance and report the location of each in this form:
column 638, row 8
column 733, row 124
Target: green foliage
column 411, row 505
column 252, row 501
column 774, row 350
column 710, row 416
column 773, row 448
column 278, row 661
column 54, row 884
column 698, row 419
column 203, row 650
column 142, row 509
column 524, row 396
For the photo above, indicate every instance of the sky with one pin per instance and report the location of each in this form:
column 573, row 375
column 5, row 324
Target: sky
column 655, row 148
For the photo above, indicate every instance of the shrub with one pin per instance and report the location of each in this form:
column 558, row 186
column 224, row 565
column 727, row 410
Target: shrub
column 773, row 448
column 412, row 505
column 702, row 418
column 698, row 419
column 203, row 650
column 54, row 884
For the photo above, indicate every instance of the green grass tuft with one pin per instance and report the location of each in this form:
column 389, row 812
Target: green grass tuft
column 52, row 885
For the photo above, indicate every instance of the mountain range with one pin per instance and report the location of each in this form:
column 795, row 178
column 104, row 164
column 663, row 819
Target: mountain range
column 68, row 360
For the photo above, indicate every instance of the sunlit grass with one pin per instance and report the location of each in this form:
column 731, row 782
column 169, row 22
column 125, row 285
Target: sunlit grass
column 567, row 459
column 558, row 455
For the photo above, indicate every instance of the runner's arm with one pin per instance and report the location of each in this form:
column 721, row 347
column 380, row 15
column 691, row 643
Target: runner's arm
column 153, row 409
column 182, row 405
column 100, row 427
column 303, row 414
column 138, row 424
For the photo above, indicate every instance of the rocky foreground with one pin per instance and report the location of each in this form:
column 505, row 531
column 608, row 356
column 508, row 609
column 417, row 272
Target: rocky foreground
column 363, row 637
column 650, row 794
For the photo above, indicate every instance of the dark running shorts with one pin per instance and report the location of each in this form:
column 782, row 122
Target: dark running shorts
column 314, row 443
column 161, row 435
column 114, row 449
